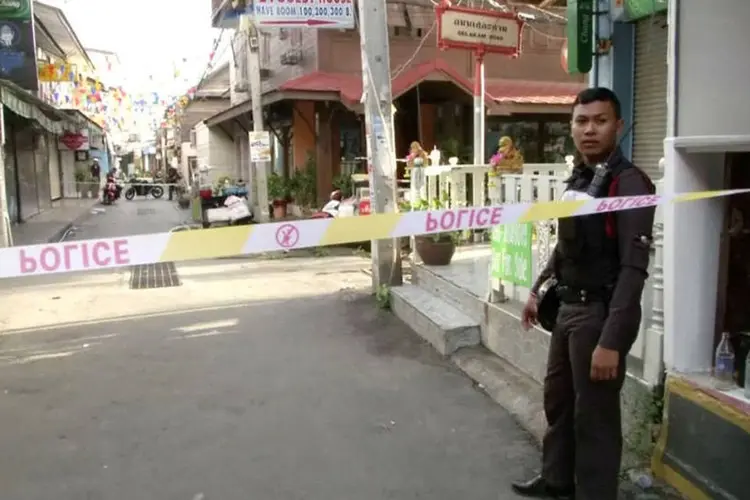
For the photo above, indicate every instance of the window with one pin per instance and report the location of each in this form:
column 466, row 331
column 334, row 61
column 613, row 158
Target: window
column 557, row 141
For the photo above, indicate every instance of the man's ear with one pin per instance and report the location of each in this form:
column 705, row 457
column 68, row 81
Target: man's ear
column 620, row 126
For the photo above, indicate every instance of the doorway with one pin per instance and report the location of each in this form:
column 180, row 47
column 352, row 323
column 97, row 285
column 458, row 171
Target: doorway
column 734, row 281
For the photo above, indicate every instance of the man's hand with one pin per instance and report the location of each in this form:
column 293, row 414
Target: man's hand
column 604, row 364
column 529, row 314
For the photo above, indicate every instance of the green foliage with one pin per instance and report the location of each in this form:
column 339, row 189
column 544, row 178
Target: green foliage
column 343, row 183
column 304, row 184
column 383, row 297
column 278, row 187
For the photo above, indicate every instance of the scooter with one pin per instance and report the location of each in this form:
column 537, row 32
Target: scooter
column 112, row 192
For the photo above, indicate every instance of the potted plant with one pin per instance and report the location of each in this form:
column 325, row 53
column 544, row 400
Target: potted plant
column 81, row 175
column 435, row 249
column 303, row 186
column 278, row 193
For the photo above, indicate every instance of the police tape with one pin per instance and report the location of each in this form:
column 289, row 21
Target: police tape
column 260, row 238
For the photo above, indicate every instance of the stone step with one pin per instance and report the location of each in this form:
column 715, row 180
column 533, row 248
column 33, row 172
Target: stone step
column 463, row 300
column 435, row 320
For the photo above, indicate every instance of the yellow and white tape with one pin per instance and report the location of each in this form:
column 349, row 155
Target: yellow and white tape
column 253, row 239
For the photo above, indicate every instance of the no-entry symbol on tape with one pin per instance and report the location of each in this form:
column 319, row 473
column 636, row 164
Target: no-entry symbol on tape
column 287, row 235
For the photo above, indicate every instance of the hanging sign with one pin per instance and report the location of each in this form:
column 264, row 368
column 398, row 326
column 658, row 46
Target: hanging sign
column 478, row 30
column 74, row 141
column 579, row 31
column 337, row 14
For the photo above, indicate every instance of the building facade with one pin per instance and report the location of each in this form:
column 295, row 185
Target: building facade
column 312, row 87
column 686, row 99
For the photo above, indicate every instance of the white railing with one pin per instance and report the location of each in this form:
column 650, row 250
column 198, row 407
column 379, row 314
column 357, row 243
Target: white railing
column 462, row 185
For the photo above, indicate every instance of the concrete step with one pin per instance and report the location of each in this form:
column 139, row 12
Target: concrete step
column 463, row 300
column 435, row 320
column 518, row 393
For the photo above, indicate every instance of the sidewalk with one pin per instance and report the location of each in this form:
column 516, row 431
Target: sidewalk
column 51, row 225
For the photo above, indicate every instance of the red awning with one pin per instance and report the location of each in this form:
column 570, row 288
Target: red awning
column 349, row 86
column 533, row 92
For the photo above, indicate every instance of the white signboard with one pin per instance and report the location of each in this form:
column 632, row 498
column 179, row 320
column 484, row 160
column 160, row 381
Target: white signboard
column 260, row 146
column 310, row 13
column 463, row 29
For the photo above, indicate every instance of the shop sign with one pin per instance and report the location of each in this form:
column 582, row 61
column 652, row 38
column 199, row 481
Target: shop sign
column 478, row 30
column 637, row 9
column 74, row 141
column 580, row 36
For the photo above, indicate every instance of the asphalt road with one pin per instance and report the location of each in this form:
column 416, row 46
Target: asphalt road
column 293, row 386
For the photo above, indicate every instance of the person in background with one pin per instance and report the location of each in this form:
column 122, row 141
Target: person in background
column 600, row 264
column 96, row 170
column 173, row 178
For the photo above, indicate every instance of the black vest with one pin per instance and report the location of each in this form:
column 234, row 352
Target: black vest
column 588, row 259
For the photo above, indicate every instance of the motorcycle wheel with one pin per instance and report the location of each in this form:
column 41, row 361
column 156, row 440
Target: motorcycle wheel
column 157, row 192
column 130, row 194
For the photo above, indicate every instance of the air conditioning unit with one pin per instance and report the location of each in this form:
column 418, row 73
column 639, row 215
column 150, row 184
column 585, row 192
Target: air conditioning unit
column 291, row 57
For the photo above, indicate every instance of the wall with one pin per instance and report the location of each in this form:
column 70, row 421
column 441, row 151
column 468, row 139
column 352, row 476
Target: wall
column 540, row 60
column 68, row 167
column 215, row 149
column 710, row 73
column 303, row 132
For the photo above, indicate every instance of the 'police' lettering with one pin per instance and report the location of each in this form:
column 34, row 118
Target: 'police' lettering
column 626, row 202
column 75, row 256
column 464, row 218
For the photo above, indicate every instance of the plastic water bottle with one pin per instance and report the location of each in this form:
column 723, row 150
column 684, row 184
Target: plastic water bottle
column 724, row 361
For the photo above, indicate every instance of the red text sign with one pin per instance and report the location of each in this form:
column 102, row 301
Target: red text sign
column 74, row 256
column 626, row 202
column 464, row 218
column 364, row 207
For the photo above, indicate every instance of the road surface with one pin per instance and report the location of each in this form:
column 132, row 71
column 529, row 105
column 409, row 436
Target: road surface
column 261, row 380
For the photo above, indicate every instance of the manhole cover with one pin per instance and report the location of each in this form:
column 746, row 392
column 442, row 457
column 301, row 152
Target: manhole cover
column 146, row 211
column 160, row 275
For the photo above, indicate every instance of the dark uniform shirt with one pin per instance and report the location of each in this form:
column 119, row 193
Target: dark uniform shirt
column 634, row 235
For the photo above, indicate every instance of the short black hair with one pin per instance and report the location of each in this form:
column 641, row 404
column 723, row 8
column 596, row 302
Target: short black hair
column 599, row 94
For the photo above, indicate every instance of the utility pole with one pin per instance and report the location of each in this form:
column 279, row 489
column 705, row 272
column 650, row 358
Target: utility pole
column 6, row 239
column 381, row 156
column 262, row 169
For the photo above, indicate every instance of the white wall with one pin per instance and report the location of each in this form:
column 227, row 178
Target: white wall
column 68, row 167
column 712, row 74
column 215, row 149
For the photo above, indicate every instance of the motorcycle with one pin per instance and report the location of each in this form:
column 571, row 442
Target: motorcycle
column 112, row 192
column 143, row 187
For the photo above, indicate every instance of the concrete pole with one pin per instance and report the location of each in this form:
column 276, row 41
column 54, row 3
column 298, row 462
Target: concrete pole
column 6, row 238
column 262, row 169
column 381, row 146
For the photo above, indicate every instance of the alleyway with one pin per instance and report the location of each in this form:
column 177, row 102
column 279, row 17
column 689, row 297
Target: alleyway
column 277, row 379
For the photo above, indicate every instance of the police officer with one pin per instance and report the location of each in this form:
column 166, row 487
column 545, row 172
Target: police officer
column 600, row 264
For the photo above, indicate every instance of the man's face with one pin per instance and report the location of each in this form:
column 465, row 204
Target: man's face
column 595, row 128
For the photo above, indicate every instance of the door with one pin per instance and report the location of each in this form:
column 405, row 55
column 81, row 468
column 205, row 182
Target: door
column 650, row 94
column 55, row 171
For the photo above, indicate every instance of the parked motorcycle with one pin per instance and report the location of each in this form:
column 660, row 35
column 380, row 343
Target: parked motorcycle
column 143, row 187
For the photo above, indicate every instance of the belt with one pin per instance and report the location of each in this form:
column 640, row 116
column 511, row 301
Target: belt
column 574, row 295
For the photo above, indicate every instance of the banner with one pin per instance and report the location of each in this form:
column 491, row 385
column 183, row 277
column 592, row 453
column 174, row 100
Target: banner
column 17, row 44
column 511, row 254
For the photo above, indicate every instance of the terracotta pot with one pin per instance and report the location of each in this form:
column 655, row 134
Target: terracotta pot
column 279, row 210
column 434, row 253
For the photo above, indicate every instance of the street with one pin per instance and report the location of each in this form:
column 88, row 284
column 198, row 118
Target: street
column 268, row 379
column 127, row 218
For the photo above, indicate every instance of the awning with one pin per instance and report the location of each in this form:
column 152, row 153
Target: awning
column 84, row 122
column 348, row 87
column 533, row 92
column 58, row 28
column 30, row 107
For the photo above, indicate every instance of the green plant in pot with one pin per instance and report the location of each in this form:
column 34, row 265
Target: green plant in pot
column 278, row 193
column 82, row 178
column 435, row 249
